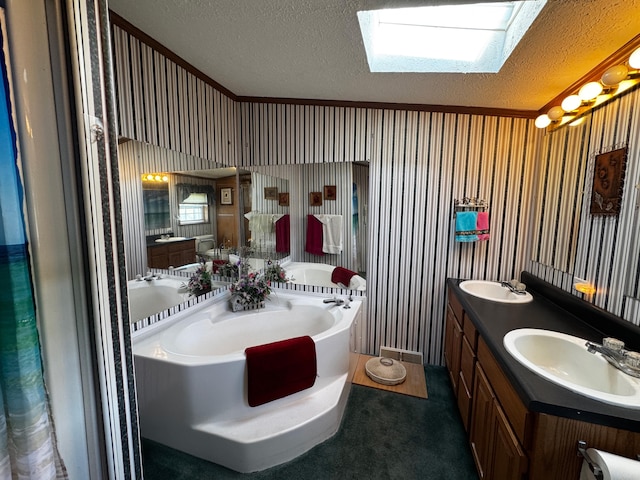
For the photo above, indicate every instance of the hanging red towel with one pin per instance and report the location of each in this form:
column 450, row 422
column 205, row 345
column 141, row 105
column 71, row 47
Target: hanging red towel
column 282, row 234
column 278, row 369
column 342, row 275
column 482, row 225
column 215, row 264
column 314, row 236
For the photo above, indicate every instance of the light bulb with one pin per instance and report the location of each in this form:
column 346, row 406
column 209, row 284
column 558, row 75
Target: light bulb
column 157, row 178
column 150, row 177
column 543, row 121
column 634, row 59
column 615, row 75
column 165, row 178
column 590, row 91
column 571, row 103
column 555, row 113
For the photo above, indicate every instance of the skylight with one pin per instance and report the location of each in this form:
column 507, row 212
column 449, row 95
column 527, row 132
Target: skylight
column 448, row 38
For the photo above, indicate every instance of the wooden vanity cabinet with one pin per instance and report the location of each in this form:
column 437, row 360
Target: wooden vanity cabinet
column 508, row 442
column 452, row 348
column 171, row 254
column 495, row 447
column 476, row 377
column 460, row 356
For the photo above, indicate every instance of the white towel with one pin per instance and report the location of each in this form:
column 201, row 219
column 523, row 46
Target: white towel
column 331, row 233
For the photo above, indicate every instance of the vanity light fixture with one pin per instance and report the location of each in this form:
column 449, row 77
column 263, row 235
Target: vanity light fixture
column 614, row 80
column 155, row 177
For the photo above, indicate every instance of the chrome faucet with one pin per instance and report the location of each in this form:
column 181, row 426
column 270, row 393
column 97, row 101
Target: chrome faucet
column 148, row 277
column 613, row 352
column 515, row 287
column 337, row 301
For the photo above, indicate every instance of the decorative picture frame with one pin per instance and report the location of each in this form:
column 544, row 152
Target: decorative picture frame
column 226, row 196
column 315, row 199
column 608, row 182
column 271, row 193
column 283, row 199
column 329, row 192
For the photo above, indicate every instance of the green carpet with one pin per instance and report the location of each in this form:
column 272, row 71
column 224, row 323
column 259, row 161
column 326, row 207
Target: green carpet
column 383, row 435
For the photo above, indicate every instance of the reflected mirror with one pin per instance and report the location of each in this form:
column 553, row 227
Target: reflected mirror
column 192, row 210
column 155, row 199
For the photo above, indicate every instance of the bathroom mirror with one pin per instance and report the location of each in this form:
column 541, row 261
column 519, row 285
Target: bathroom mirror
column 562, row 166
column 155, row 200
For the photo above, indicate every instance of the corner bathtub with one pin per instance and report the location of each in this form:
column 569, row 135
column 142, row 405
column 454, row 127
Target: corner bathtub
column 192, row 381
column 147, row 298
column 318, row 274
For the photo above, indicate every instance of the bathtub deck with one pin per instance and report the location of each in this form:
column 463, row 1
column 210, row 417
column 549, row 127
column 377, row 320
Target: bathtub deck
column 275, row 432
column 274, row 417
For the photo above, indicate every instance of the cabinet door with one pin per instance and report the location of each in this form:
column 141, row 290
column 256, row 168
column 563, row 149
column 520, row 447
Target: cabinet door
column 508, row 461
column 448, row 338
column 465, row 384
column 453, row 347
column 481, row 422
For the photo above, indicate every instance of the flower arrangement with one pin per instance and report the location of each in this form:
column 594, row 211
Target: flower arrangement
column 250, row 290
column 275, row 273
column 228, row 270
column 200, row 281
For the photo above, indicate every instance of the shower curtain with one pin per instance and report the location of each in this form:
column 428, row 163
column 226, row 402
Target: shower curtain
column 27, row 440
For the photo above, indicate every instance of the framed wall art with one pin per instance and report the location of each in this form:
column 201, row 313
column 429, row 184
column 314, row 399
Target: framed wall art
column 226, row 197
column 283, row 199
column 315, row 199
column 330, row 192
column 608, row 181
column 271, row 193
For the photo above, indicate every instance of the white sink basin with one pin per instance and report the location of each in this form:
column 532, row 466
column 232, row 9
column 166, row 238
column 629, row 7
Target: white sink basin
column 564, row 360
column 171, row 239
column 493, row 291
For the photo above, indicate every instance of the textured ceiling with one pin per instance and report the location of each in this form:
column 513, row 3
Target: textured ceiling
column 312, row 49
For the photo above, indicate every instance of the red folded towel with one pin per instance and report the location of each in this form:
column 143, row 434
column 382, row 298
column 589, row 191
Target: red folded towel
column 215, row 264
column 282, row 234
column 342, row 275
column 314, row 236
column 278, row 369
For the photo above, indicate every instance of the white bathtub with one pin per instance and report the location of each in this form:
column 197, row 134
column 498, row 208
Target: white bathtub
column 147, row 298
column 318, row 274
column 192, row 381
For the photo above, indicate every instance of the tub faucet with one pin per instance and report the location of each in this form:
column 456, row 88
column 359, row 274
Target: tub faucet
column 337, row 301
column 148, row 277
column 613, row 352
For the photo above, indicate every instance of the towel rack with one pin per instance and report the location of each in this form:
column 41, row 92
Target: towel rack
column 468, row 203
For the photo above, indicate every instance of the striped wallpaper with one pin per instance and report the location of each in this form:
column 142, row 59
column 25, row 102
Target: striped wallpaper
column 419, row 162
column 161, row 104
column 607, row 251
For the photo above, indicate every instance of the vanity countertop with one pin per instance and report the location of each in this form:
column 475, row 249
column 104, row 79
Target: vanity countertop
column 493, row 320
column 156, row 243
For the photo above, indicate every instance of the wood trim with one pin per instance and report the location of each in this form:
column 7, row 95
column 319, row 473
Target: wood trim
column 619, row 57
column 157, row 46
column 412, row 107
